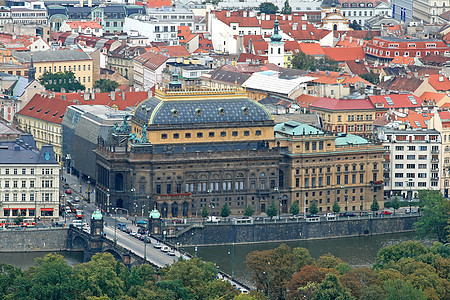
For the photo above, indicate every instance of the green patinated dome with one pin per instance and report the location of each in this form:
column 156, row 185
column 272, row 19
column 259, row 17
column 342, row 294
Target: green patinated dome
column 154, row 214
column 97, row 215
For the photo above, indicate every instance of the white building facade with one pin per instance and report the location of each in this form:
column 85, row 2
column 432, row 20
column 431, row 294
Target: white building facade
column 361, row 11
column 174, row 14
column 428, row 11
column 155, row 30
column 412, row 161
column 29, row 182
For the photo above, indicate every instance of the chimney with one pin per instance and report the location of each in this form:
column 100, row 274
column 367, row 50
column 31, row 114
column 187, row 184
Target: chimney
column 228, row 14
column 113, row 96
column 245, row 13
column 342, row 38
column 284, row 17
column 267, row 17
column 304, row 17
column 441, row 78
column 90, row 3
column 294, row 26
column 81, row 3
column 351, row 40
column 303, row 27
column 289, row 17
column 263, row 16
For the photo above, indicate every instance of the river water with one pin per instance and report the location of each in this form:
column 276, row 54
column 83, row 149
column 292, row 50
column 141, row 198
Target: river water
column 356, row 251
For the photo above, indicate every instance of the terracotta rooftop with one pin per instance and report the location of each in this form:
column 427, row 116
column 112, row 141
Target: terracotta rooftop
column 357, row 68
column 344, row 54
column 439, row 82
column 121, row 100
column 396, row 101
column 343, row 104
column 312, row 49
column 84, row 24
column 46, row 109
column 401, row 84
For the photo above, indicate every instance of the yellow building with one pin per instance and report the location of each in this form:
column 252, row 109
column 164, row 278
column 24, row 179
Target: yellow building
column 329, row 168
column 42, row 117
column 78, row 62
column 347, row 116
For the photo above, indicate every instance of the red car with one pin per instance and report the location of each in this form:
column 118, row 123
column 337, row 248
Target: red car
column 386, row 212
column 68, row 191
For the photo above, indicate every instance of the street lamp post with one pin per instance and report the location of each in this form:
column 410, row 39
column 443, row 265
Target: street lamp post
column 115, row 226
column 279, row 202
column 211, row 205
column 107, row 201
column 35, row 207
column 268, row 279
column 89, row 190
column 409, row 196
column 142, row 210
column 133, row 190
column 346, row 197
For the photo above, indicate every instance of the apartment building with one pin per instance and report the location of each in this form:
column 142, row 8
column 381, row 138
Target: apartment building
column 428, row 11
column 412, row 161
column 29, row 180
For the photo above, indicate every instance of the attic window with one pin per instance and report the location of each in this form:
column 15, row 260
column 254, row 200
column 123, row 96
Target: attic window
column 61, row 116
column 174, row 112
column 221, row 111
column 198, row 112
column 47, row 111
column 39, row 110
column 31, row 108
column 55, row 113
column 245, row 110
column 143, row 107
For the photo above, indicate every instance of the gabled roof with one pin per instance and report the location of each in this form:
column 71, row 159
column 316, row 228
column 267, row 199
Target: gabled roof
column 248, row 57
column 402, row 60
column 312, row 49
column 444, row 115
column 327, row 77
column 151, row 60
column 121, row 100
column 396, row 101
column 47, row 109
column 401, row 84
column 310, row 34
column 50, row 55
column 306, row 100
column 236, row 17
column 357, row 68
column 432, row 97
column 172, row 51
column 220, row 74
column 260, row 47
column 344, row 54
column 343, row 104
column 439, row 82
column 415, row 120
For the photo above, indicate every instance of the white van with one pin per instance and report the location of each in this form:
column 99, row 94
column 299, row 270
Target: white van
column 213, row 219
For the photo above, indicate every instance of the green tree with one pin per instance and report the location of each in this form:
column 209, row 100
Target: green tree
column 204, row 211
column 374, row 206
column 287, row 9
column 371, row 77
column 330, row 288
column 434, row 218
column 106, row 85
column 268, row 8
column 8, row 274
column 18, row 220
column 272, row 210
column 395, row 204
column 173, row 289
column 302, row 257
column 294, row 209
column 302, row 61
column 52, row 278
column 225, row 211
column 249, row 211
column 354, row 25
column 328, row 261
column 391, row 254
column 313, row 209
column 336, row 207
column 61, row 80
column 402, row 290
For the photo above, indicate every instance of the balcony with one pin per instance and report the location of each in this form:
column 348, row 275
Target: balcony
column 435, row 151
column 434, row 178
column 377, row 182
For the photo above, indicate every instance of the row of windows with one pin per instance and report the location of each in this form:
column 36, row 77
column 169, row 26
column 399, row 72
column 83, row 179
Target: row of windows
column 23, row 171
column 65, row 68
column 319, row 182
column 15, row 184
column 338, row 169
column 23, row 197
column 211, row 134
column 210, row 187
column 411, row 166
column 419, row 184
column 413, row 148
column 413, row 175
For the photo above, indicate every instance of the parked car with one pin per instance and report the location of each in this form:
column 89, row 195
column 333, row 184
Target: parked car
column 365, row 214
column 142, row 231
column 410, row 211
column 386, row 212
column 128, row 230
column 259, row 219
column 171, row 253
column 133, row 233
column 177, row 221
column 147, row 239
column 213, row 219
column 157, row 246
column 68, row 191
column 165, row 249
column 347, row 214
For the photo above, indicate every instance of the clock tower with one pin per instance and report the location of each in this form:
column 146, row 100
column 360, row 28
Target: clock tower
column 276, row 47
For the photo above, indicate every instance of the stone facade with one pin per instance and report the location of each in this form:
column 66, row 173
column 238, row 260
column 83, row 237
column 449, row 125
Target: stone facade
column 34, row 240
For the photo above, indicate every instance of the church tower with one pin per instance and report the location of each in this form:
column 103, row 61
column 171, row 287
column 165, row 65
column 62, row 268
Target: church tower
column 31, row 70
column 276, row 47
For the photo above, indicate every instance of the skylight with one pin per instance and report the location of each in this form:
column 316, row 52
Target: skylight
column 389, row 101
column 417, row 123
column 413, row 100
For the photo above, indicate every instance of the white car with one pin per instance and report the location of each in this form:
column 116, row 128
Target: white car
column 171, row 253
column 157, row 246
column 410, row 211
column 165, row 249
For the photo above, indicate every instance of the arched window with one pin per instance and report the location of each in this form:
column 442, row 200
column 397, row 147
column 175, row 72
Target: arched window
column 185, row 209
column 279, row 50
column 164, row 209
column 174, row 210
column 335, row 27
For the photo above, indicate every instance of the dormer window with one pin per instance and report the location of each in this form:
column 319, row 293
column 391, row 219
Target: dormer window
column 198, row 112
column 174, row 112
column 245, row 110
column 221, row 111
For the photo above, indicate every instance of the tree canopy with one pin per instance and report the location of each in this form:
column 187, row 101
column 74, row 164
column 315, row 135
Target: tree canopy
column 61, row 80
column 106, row 85
column 225, row 211
column 287, row 9
column 305, row 62
column 434, row 218
column 268, row 8
column 272, row 210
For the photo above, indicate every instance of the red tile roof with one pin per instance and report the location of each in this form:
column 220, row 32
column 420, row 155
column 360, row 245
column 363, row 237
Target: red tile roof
column 120, row 102
column 310, row 34
column 433, row 97
column 444, row 115
column 439, row 82
column 400, row 84
column 344, row 54
column 237, row 17
column 151, row 60
column 260, row 48
column 398, row 100
column 155, row 3
column 326, row 77
column 171, row 51
column 416, row 120
column 46, row 109
column 402, row 60
column 312, row 49
column 84, row 24
column 306, row 100
column 248, row 57
column 357, row 68
column 343, row 104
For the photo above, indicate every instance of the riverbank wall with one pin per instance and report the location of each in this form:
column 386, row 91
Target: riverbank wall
column 30, row 240
column 225, row 233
